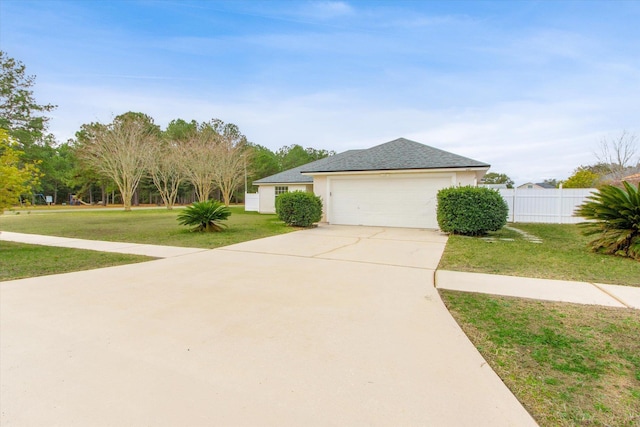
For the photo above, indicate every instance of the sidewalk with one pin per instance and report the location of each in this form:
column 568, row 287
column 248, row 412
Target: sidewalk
column 543, row 289
column 156, row 251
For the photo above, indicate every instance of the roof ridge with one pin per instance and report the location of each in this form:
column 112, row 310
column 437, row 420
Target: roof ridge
column 400, row 153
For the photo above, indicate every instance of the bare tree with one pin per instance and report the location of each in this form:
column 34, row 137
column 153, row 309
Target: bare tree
column 166, row 171
column 214, row 155
column 121, row 151
column 619, row 153
column 230, row 160
column 198, row 159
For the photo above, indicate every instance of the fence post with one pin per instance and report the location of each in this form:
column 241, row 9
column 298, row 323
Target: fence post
column 560, row 207
column 513, row 205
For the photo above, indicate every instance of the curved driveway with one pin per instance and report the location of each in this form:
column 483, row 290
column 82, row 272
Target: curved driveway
column 334, row 326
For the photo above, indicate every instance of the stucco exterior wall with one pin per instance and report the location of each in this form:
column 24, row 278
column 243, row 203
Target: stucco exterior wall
column 464, row 178
column 300, row 187
column 320, row 190
column 267, row 195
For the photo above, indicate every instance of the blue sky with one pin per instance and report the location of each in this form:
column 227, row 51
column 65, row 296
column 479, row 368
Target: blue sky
column 530, row 87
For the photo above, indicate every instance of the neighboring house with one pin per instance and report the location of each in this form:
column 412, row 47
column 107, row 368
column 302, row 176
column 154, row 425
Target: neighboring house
column 537, row 186
column 393, row 184
column 628, row 174
column 631, row 179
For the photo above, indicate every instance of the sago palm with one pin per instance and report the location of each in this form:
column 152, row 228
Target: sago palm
column 204, row 216
column 616, row 218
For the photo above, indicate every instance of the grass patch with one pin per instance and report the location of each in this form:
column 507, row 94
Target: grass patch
column 149, row 226
column 568, row 364
column 563, row 255
column 19, row 260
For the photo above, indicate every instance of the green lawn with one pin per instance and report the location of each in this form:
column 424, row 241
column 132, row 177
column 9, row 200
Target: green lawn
column 563, row 254
column 151, row 226
column 569, row 364
column 18, row 260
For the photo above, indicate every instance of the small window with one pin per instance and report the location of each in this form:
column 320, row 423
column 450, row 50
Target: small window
column 281, row 189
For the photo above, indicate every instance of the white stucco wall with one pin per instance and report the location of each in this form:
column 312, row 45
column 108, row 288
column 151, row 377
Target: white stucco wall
column 464, row 178
column 300, row 187
column 267, row 195
column 320, row 190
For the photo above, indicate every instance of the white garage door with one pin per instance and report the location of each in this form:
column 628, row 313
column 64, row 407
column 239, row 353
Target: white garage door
column 392, row 201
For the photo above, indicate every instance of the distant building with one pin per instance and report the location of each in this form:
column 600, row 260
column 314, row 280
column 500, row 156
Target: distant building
column 631, row 179
column 537, row 186
column 629, row 174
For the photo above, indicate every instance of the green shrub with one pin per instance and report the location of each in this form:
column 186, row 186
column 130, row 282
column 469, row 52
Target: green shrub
column 471, row 211
column 299, row 208
column 616, row 215
column 204, row 216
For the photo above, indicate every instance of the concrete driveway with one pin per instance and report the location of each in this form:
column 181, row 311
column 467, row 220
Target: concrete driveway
column 330, row 326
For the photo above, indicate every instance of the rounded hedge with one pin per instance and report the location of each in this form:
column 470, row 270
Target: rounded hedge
column 299, row 208
column 471, row 211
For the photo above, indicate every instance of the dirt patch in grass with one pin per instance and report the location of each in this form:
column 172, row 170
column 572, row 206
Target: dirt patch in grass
column 568, row 364
column 562, row 254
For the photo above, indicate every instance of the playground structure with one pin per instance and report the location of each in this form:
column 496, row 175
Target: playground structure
column 74, row 200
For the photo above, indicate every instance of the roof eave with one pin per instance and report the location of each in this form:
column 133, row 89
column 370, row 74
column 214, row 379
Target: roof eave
column 284, row 183
column 388, row 171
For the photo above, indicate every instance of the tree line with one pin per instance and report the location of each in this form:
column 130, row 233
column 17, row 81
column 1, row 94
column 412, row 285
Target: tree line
column 131, row 155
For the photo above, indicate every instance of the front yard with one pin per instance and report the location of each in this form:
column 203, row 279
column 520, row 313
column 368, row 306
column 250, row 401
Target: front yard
column 18, row 260
column 562, row 255
column 569, row 364
column 148, row 226
column 155, row 226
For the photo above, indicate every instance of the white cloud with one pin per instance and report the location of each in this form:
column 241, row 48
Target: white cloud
column 328, row 9
column 527, row 141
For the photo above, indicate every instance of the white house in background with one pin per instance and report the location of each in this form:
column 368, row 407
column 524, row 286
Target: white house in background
column 393, row 184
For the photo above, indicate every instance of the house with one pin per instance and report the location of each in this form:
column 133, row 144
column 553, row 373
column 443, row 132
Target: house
column 393, row 184
column 631, row 179
column 629, row 174
column 537, row 186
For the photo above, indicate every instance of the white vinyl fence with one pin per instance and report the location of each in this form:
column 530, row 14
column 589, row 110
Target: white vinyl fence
column 552, row 206
column 251, row 202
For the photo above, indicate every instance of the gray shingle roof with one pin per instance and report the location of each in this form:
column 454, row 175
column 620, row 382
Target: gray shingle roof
column 400, row 153
column 287, row 177
column 545, row 185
